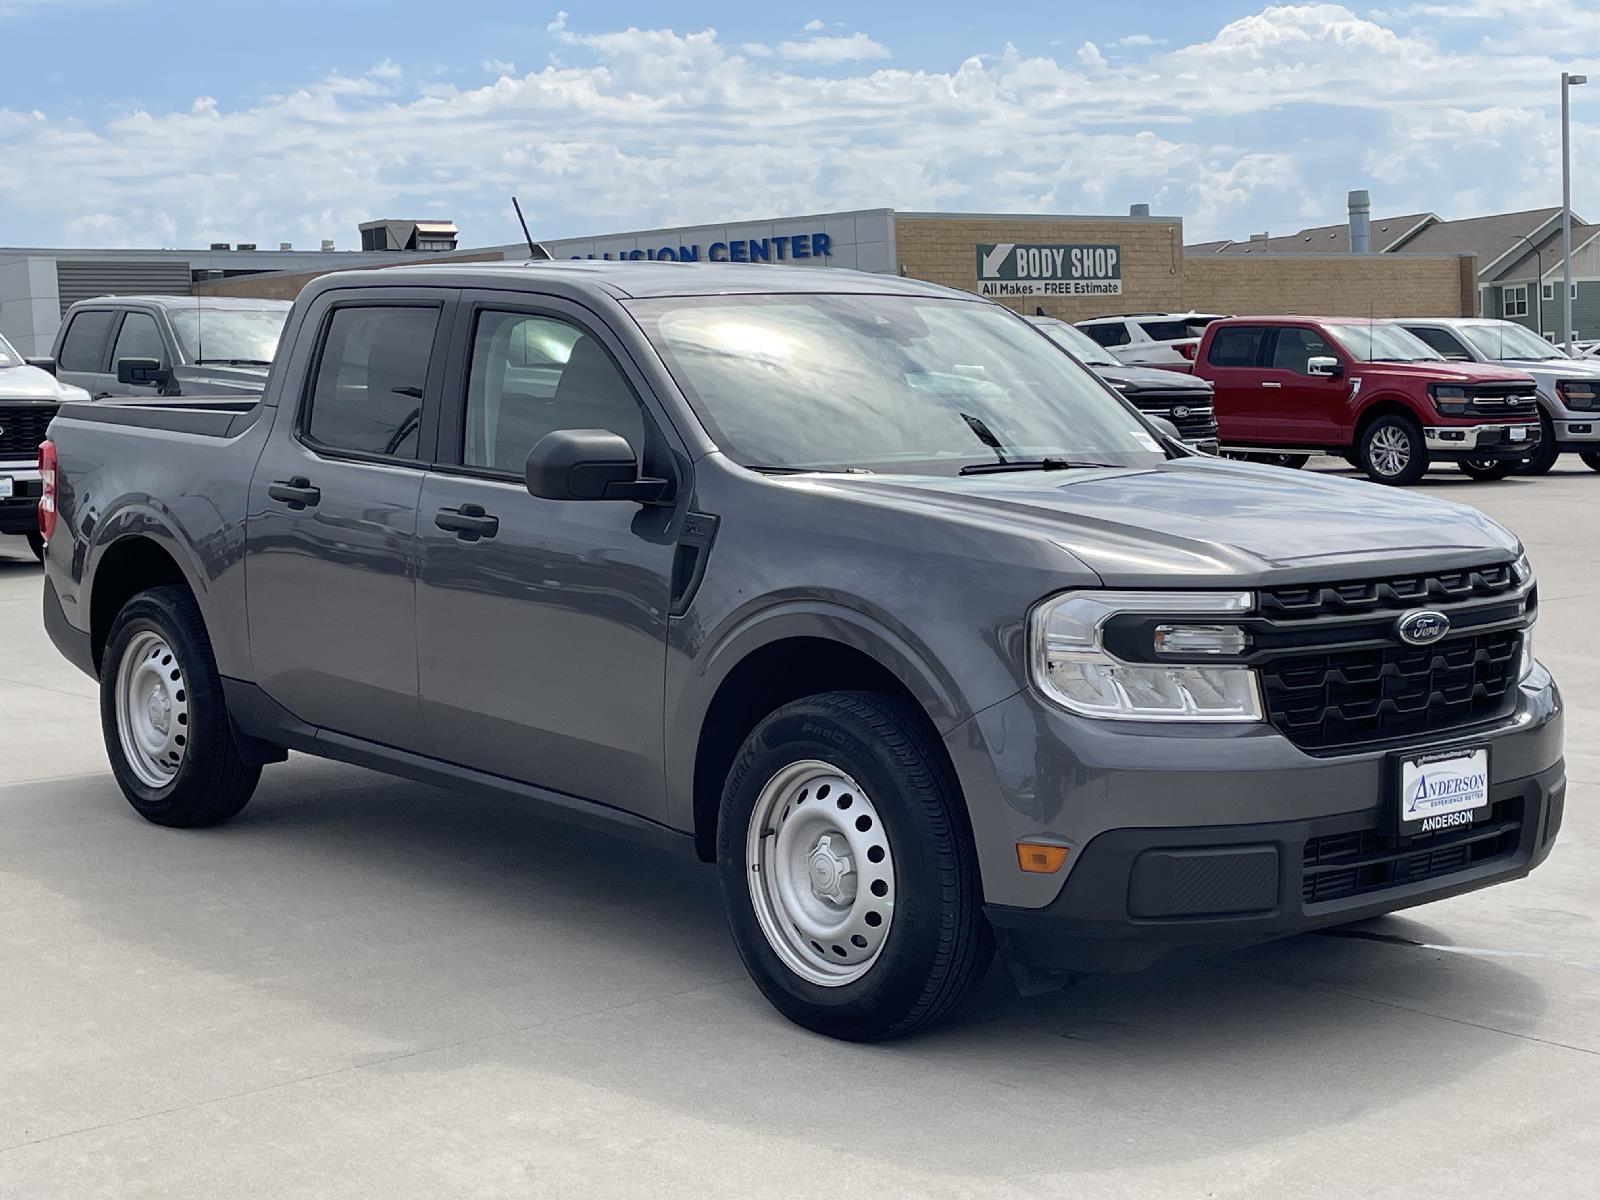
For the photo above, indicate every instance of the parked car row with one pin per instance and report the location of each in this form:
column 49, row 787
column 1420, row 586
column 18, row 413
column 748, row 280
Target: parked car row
column 1392, row 397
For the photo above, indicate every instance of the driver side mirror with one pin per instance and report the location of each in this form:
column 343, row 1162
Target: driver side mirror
column 44, row 364
column 1165, row 426
column 589, row 464
column 142, row 371
column 1324, row 366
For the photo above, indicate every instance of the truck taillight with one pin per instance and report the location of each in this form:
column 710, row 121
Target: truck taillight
column 47, row 494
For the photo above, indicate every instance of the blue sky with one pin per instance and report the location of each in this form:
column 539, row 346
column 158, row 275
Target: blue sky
column 130, row 122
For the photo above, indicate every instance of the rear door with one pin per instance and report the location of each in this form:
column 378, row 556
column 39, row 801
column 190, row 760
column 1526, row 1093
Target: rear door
column 1304, row 409
column 542, row 635
column 1233, row 364
column 81, row 359
column 332, row 524
column 138, row 336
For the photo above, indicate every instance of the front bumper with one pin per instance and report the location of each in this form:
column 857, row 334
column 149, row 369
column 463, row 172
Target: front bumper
column 1179, row 838
column 1495, row 440
column 1582, row 433
column 19, row 512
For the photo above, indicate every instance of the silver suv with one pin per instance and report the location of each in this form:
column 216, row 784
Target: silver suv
column 1150, row 339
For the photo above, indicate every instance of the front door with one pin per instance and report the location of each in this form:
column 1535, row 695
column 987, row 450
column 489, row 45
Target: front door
column 541, row 625
column 138, row 336
column 333, row 517
column 1309, row 409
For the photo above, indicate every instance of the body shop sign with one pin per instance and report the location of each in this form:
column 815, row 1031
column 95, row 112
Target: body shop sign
column 1014, row 269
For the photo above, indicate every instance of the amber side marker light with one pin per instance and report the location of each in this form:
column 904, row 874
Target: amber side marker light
column 1036, row 858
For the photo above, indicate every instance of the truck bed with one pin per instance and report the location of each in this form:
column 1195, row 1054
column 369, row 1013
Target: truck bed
column 207, row 416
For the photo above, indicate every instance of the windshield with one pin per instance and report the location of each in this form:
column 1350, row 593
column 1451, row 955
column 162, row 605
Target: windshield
column 1378, row 342
column 1510, row 341
column 1078, row 342
column 8, row 356
column 247, row 335
column 900, row 384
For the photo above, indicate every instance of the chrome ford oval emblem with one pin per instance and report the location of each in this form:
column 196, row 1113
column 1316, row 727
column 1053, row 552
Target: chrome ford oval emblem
column 1422, row 627
column 1180, row 412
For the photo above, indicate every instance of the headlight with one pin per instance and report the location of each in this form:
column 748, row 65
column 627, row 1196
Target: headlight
column 1449, row 399
column 1522, row 573
column 1580, row 395
column 1071, row 666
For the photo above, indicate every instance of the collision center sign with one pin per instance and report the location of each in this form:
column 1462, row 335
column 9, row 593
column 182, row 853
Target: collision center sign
column 1015, row 269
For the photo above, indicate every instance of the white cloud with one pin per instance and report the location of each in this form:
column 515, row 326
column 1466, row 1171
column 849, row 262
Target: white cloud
column 559, row 24
column 499, row 66
column 1139, row 39
column 814, row 25
column 646, row 127
column 858, row 47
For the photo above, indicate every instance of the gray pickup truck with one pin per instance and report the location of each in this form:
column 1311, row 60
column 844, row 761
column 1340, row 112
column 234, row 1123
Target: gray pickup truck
column 855, row 586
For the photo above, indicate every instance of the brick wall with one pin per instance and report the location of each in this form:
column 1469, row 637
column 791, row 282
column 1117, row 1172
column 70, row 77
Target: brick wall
column 286, row 285
column 942, row 250
column 1352, row 285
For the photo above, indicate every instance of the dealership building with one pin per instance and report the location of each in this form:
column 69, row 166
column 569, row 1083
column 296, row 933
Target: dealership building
column 1070, row 266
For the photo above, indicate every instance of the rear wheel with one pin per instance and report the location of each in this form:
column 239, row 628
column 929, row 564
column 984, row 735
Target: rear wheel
column 1392, row 450
column 1545, row 455
column 1591, row 459
column 36, row 544
column 164, row 719
column 1488, row 469
column 848, row 874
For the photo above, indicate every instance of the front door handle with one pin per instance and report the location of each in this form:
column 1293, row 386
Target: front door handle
column 1270, row 383
column 297, row 493
column 469, row 522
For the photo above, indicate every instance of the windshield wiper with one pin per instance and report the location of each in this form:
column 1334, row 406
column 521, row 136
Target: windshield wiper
column 233, row 362
column 768, row 469
column 1033, row 464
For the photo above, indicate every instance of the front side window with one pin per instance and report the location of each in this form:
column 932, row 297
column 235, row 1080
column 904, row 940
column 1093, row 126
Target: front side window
column 1295, row 347
column 894, row 384
column 367, row 395
column 533, row 375
column 8, row 356
column 1376, row 341
column 85, row 340
column 138, row 338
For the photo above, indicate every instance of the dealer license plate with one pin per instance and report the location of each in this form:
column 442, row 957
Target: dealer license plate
column 1443, row 791
column 1519, row 433
column 5, row 487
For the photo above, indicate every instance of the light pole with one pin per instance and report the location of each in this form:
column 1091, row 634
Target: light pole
column 1538, row 291
column 1567, row 83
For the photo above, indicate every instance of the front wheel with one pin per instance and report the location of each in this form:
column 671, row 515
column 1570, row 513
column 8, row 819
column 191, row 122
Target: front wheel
column 848, row 874
column 1545, row 454
column 1591, row 459
column 1392, row 450
column 162, row 712
column 1488, row 469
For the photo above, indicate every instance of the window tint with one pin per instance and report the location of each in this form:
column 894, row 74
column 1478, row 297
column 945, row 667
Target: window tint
column 85, row 340
column 1111, row 333
column 533, row 375
column 368, row 392
column 1236, row 347
column 1294, row 348
column 1442, row 341
column 138, row 338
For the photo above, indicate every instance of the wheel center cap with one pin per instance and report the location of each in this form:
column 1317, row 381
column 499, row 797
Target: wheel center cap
column 159, row 708
column 827, row 870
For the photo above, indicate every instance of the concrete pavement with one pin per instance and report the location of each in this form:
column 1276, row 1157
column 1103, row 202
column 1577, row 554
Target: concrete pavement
column 364, row 987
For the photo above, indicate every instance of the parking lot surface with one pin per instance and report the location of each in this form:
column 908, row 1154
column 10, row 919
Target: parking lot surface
column 368, row 987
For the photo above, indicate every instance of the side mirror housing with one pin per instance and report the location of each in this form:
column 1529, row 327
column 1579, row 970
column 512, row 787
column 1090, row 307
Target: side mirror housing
column 589, row 464
column 141, row 371
column 44, row 364
column 1166, row 427
column 1325, row 366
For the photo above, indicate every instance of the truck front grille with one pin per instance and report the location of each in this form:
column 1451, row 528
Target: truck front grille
column 1198, row 420
column 22, row 428
column 1337, row 866
column 1503, row 399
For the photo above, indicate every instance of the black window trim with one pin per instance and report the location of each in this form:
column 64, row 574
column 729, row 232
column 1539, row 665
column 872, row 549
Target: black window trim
column 427, row 425
column 451, row 444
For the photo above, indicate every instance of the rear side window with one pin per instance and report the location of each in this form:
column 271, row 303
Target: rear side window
column 1239, row 346
column 138, row 338
column 371, row 373
column 1111, row 333
column 85, row 341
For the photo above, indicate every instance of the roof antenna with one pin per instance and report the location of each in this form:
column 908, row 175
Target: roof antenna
column 536, row 252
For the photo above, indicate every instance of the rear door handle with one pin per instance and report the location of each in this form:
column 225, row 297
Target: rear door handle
column 1270, row 383
column 469, row 522
column 297, row 493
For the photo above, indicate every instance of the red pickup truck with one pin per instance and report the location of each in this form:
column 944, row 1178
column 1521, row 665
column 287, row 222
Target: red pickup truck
column 1367, row 391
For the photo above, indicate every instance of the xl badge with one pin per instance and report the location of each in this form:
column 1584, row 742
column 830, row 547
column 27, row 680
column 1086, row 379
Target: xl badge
column 1423, row 627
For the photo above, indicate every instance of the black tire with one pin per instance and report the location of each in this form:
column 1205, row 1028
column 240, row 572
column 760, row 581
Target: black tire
column 36, row 544
column 938, row 943
column 1489, row 469
column 1290, row 462
column 1545, row 454
column 212, row 782
column 1409, row 433
column 1591, row 459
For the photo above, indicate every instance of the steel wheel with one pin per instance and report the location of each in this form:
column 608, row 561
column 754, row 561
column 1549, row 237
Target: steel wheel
column 152, row 709
column 821, row 873
column 1390, row 450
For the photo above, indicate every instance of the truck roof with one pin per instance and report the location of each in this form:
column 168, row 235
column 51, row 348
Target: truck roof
column 212, row 302
column 641, row 278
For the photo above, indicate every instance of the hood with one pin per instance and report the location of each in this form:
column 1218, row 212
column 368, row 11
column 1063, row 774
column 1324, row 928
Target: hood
column 1554, row 368
column 1447, row 371
column 30, row 383
column 1199, row 520
column 1137, row 379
